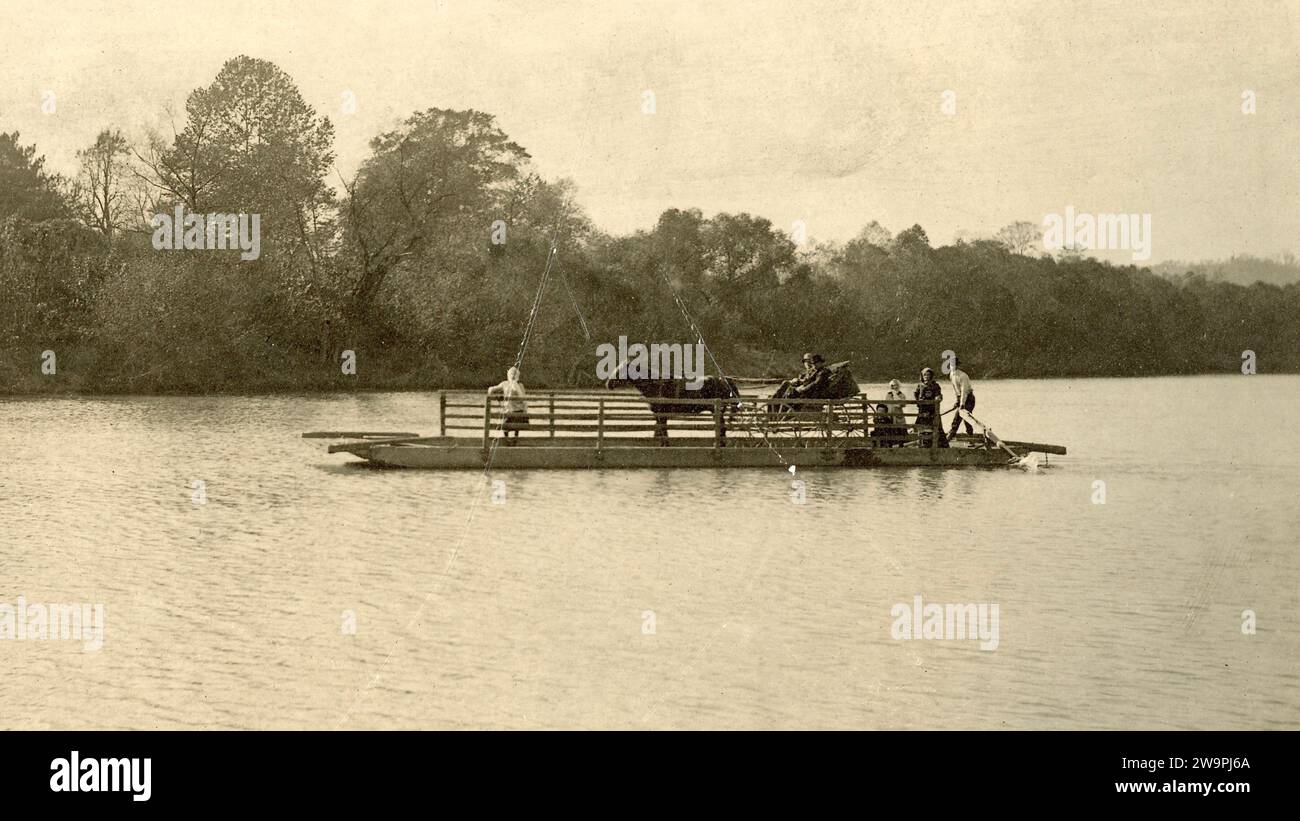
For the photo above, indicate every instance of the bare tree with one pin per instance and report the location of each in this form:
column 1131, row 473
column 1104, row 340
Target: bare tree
column 1021, row 237
column 102, row 187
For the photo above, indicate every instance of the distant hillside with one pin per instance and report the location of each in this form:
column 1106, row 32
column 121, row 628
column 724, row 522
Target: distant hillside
column 1242, row 270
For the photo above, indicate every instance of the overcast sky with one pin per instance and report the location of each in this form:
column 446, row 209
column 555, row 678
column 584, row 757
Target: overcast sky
column 830, row 113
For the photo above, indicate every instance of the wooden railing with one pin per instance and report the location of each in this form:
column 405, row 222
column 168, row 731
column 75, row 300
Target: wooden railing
column 615, row 415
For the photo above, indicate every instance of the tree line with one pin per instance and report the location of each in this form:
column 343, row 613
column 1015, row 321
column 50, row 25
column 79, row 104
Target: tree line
column 425, row 264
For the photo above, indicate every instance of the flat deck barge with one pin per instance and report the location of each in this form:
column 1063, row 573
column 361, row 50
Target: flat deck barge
column 572, row 430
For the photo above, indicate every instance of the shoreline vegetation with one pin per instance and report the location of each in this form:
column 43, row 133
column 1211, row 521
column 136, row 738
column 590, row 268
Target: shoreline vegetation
column 749, row 385
column 420, row 271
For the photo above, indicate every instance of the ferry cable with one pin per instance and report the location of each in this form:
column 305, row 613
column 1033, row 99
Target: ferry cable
column 581, row 320
column 537, row 303
column 762, row 430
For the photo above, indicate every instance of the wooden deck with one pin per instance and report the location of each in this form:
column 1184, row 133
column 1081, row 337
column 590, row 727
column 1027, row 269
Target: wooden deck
column 613, row 430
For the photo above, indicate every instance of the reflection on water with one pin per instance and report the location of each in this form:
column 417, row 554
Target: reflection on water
column 765, row 613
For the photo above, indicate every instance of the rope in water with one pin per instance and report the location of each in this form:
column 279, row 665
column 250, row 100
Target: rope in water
column 478, row 495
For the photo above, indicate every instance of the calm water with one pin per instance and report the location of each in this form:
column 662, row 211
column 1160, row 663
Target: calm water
column 531, row 613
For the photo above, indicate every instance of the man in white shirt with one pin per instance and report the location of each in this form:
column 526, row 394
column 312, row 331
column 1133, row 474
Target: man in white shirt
column 965, row 396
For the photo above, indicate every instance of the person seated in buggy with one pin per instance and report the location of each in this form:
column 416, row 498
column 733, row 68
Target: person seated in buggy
column 818, row 381
column 810, row 384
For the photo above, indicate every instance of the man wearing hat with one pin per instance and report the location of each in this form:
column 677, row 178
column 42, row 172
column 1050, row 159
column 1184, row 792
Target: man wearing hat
column 814, row 378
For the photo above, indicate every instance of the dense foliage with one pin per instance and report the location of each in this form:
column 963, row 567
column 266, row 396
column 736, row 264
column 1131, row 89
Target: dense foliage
column 427, row 262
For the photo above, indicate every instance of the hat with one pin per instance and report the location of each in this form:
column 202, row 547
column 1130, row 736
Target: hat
column 927, row 370
column 815, row 358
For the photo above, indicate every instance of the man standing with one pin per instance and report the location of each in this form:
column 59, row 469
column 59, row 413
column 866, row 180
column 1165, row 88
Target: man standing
column 965, row 397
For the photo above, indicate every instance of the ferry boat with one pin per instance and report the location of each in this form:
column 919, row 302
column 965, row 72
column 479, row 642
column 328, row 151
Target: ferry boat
column 582, row 429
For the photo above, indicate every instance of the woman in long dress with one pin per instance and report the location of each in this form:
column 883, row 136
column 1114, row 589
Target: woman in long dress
column 516, row 408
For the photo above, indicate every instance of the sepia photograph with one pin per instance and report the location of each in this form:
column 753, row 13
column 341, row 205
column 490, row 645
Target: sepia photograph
column 502, row 365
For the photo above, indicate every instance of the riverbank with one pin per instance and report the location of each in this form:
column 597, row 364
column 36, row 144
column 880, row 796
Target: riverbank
column 75, row 373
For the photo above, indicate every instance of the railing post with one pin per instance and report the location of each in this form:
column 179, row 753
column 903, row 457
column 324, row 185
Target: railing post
column 934, row 428
column 487, row 421
column 550, row 413
column 717, row 423
column 830, row 419
column 442, row 413
column 600, row 423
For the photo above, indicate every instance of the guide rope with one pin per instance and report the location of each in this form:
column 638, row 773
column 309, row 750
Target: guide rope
column 681, row 305
column 537, row 303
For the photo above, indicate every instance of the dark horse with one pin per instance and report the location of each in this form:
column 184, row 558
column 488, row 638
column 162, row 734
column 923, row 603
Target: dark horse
column 652, row 389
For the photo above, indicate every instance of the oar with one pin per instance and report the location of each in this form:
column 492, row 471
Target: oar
column 988, row 433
